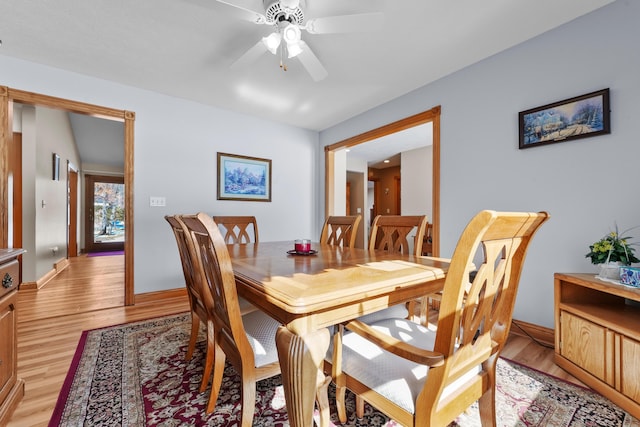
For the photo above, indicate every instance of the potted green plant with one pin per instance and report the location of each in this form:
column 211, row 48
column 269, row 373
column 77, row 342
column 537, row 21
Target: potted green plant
column 610, row 252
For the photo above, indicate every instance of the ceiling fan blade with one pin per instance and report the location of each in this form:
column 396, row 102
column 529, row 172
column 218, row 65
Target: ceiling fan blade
column 360, row 22
column 250, row 56
column 243, row 12
column 311, row 63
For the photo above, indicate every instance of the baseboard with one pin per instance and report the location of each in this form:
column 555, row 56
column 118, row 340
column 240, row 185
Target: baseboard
column 545, row 336
column 58, row 267
column 159, row 296
column 61, row 265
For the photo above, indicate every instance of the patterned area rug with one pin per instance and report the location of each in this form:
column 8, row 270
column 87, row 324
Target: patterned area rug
column 135, row 375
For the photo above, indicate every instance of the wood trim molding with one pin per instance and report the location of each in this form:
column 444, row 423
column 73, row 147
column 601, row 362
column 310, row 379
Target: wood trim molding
column 545, row 336
column 6, row 132
column 7, row 97
column 160, row 296
column 129, row 298
column 37, row 99
column 58, row 267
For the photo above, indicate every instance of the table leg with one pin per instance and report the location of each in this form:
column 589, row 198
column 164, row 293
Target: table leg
column 301, row 358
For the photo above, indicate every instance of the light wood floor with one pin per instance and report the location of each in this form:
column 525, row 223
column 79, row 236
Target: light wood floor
column 89, row 294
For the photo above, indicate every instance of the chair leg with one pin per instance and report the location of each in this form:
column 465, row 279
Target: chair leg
column 195, row 328
column 340, row 404
column 487, row 402
column 209, row 358
column 411, row 308
column 359, row 407
column 424, row 311
column 218, row 371
column 248, row 402
column 338, row 377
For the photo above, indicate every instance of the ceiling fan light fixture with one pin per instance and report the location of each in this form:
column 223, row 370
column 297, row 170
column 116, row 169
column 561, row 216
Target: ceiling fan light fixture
column 294, row 49
column 291, row 34
column 272, row 42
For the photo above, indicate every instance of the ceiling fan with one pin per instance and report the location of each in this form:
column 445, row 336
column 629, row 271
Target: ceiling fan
column 288, row 20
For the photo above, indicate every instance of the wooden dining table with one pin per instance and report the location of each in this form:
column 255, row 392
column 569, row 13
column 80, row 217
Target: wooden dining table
column 309, row 293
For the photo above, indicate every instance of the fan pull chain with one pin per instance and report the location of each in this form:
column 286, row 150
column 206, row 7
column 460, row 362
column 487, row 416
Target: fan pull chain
column 282, row 64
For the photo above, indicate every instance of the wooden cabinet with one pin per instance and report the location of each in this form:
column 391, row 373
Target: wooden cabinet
column 597, row 333
column 11, row 387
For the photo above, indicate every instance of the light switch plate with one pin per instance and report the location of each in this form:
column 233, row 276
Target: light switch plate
column 157, row 201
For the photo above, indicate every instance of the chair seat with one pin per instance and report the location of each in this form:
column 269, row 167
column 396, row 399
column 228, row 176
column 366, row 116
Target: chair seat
column 399, row 311
column 398, row 379
column 246, row 306
column 261, row 333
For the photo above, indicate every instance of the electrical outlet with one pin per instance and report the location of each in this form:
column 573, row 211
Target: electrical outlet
column 157, row 201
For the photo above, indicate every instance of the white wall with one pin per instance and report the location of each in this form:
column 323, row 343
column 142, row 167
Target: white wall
column 360, row 171
column 416, row 194
column 340, row 184
column 586, row 185
column 44, row 131
column 176, row 142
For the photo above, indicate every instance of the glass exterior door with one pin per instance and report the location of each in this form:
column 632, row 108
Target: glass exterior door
column 105, row 222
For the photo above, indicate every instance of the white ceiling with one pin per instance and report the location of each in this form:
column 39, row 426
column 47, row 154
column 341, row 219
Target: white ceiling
column 184, row 48
column 390, row 146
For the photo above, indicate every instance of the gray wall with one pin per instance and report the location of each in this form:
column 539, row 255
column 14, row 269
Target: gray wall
column 587, row 185
column 176, row 142
column 44, row 132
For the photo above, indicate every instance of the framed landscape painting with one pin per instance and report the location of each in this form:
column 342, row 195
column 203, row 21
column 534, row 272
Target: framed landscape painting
column 579, row 117
column 244, row 178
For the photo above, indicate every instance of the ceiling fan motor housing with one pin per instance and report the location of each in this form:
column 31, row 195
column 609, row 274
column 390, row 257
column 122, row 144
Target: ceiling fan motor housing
column 284, row 10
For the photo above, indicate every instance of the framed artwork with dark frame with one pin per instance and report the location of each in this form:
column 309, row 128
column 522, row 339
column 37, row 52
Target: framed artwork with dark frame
column 244, row 178
column 56, row 167
column 580, row 117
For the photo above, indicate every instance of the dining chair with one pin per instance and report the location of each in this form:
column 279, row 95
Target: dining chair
column 248, row 342
column 195, row 292
column 392, row 233
column 340, row 230
column 421, row 377
column 238, row 229
column 196, row 304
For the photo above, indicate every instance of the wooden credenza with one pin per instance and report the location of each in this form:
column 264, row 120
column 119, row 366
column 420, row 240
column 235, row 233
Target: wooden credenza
column 11, row 387
column 597, row 336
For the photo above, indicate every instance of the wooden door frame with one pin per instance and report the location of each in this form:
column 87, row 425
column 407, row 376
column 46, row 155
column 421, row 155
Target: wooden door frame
column 89, row 181
column 429, row 116
column 7, row 98
column 72, row 210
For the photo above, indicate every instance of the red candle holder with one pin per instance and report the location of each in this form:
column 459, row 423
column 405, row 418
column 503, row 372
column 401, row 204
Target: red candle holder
column 302, row 245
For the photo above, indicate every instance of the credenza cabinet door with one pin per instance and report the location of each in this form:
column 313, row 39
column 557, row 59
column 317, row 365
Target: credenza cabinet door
column 583, row 343
column 629, row 368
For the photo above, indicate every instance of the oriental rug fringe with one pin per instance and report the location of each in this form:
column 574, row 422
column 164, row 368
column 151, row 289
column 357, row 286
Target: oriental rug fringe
column 136, row 375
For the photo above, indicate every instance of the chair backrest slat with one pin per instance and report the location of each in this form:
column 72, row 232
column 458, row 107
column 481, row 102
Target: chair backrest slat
column 391, row 233
column 340, row 230
column 238, row 229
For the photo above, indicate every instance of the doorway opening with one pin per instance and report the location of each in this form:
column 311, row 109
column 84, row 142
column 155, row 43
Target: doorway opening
column 9, row 96
column 332, row 163
column 104, row 213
